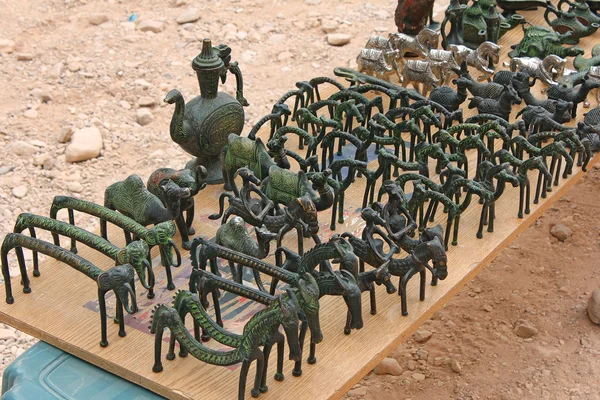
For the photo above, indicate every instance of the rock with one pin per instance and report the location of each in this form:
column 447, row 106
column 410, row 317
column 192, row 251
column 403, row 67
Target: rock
column 190, row 15
column 524, row 329
column 455, row 365
column 41, row 159
column 180, row 3
column 75, row 187
column 97, row 19
column 24, row 56
column 284, row 55
column 6, row 46
column 418, row 377
column 6, row 169
column 389, row 366
column 65, row 134
column 20, row 191
column 146, row 101
column 561, row 232
column 31, row 114
column 151, row 26
column 276, row 38
column 329, row 26
column 125, row 104
column 85, row 144
column 338, row 39
column 7, row 334
column 594, row 307
column 358, row 392
column 488, row 308
column 144, row 116
column 422, row 336
column 56, row 71
column 21, row 148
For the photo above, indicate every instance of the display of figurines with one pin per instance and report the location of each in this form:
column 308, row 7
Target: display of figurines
column 202, row 125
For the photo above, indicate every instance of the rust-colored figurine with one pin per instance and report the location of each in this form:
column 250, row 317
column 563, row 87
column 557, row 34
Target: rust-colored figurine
column 411, row 15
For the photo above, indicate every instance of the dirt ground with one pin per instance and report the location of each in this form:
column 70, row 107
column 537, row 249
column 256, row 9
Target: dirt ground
column 66, row 72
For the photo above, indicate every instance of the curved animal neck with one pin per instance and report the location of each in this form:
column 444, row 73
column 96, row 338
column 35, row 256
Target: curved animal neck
column 318, row 254
column 177, row 131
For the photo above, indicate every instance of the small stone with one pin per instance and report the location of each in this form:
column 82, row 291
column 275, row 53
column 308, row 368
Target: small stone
column 7, row 334
column 180, row 3
column 241, row 35
column 85, row 144
column 524, row 329
column 358, row 392
column 455, row 365
column 284, row 55
column 276, row 38
column 97, row 19
column 329, row 26
column 144, row 116
column 56, row 71
column 151, row 26
column 561, row 232
column 594, row 307
column 563, row 289
column 41, row 159
column 388, row 366
column 31, row 114
column 418, row 377
column 21, row 148
column 422, row 336
column 190, row 15
column 65, row 134
column 24, row 56
column 146, row 101
column 6, row 169
column 125, row 104
column 488, row 308
column 75, row 187
column 6, row 46
column 20, row 191
column 338, row 39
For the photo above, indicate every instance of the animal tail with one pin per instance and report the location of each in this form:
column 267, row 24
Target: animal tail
column 221, row 205
column 520, row 112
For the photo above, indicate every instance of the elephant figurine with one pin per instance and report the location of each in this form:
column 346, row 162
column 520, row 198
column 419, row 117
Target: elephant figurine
column 183, row 178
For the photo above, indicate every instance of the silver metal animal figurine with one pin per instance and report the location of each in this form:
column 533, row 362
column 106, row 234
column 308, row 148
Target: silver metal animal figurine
column 549, row 70
column 443, row 62
column 420, row 45
column 377, row 63
column 482, row 58
column 420, row 74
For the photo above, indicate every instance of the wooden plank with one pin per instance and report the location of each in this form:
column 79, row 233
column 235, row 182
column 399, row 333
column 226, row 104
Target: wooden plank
column 61, row 308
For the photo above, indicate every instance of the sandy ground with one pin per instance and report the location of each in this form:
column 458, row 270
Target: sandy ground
column 66, row 73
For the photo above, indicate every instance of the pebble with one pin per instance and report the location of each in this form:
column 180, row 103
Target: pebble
column 418, row 377
column 75, row 187
column 190, row 15
column 24, row 56
column 144, row 116
column 56, row 71
column 488, row 308
column 65, row 134
column 6, row 169
column 329, row 26
column 85, row 144
column 422, row 336
column 21, row 148
column 7, row 334
column 180, row 3
column 276, row 38
column 388, row 366
column 594, row 307
column 97, row 19
column 524, row 329
column 125, row 104
column 455, row 365
column 146, row 101
column 338, row 39
column 151, row 26
column 31, row 114
column 6, row 46
column 358, row 392
column 41, row 159
column 561, row 232
column 20, row 191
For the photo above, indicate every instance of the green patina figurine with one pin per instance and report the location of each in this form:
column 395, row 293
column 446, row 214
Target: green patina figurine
column 201, row 126
column 540, row 42
column 567, row 21
column 118, row 279
column 160, row 235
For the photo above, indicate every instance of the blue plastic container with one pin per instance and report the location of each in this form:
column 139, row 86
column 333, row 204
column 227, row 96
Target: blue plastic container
column 45, row 372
